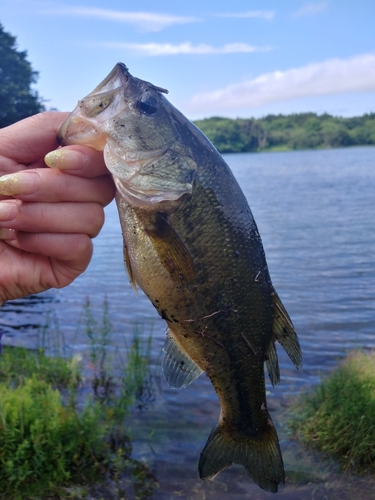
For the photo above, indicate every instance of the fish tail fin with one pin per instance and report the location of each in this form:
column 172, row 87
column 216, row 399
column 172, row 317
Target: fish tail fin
column 285, row 333
column 260, row 455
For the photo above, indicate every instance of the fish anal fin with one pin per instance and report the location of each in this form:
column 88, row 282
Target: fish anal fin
column 172, row 251
column 285, row 333
column 179, row 369
column 261, row 456
column 272, row 363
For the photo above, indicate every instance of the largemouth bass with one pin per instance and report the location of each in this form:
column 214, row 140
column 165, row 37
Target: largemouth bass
column 192, row 245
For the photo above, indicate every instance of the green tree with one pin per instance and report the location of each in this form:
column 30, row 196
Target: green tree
column 295, row 131
column 17, row 99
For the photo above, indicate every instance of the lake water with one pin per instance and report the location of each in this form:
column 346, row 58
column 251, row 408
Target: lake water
column 315, row 213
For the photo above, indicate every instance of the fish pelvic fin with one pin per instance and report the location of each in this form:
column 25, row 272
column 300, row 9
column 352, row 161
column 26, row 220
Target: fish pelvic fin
column 179, row 369
column 285, row 333
column 260, row 455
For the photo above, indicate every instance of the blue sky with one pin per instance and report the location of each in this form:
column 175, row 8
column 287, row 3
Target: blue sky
column 236, row 59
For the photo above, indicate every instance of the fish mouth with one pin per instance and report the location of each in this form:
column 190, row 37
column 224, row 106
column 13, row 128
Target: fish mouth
column 78, row 130
column 82, row 125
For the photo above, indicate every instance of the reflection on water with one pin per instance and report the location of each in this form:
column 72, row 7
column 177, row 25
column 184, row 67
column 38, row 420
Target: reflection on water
column 22, row 319
column 314, row 210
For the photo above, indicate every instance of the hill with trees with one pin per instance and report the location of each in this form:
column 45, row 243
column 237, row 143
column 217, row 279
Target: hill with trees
column 288, row 132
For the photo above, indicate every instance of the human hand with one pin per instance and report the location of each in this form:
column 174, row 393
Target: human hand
column 47, row 215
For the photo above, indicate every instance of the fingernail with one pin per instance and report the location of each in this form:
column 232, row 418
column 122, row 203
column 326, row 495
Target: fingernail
column 24, row 183
column 8, row 210
column 64, row 158
column 7, row 234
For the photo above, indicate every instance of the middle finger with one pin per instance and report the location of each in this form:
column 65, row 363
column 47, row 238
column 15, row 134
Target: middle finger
column 47, row 185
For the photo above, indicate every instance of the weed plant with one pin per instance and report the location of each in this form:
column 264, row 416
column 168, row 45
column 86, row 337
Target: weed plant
column 45, row 443
column 56, row 437
column 338, row 418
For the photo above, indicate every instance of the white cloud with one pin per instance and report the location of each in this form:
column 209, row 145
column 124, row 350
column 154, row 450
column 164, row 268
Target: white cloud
column 260, row 14
column 144, row 21
column 334, row 76
column 168, row 49
column 310, row 9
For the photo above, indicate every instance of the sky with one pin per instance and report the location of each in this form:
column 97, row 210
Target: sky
column 216, row 58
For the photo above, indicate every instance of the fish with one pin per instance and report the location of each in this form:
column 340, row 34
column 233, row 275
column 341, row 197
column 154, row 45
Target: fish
column 192, row 245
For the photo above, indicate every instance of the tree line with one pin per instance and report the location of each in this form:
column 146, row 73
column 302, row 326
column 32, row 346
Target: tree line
column 288, row 132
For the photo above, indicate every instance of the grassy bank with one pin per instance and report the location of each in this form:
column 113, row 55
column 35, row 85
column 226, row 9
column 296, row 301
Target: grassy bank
column 338, row 417
column 61, row 433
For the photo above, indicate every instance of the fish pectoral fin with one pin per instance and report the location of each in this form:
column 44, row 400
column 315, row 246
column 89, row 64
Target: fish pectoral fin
column 179, row 369
column 272, row 363
column 172, row 251
column 285, row 333
column 261, row 456
column 130, row 270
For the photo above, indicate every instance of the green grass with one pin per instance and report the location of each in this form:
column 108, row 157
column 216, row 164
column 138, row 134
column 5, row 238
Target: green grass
column 338, row 418
column 18, row 364
column 60, row 433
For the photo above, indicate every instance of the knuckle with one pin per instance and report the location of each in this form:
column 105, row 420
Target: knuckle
column 96, row 219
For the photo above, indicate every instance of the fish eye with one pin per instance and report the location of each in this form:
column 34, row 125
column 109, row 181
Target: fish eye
column 148, row 104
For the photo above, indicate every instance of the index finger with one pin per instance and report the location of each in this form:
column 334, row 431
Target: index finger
column 81, row 161
column 32, row 138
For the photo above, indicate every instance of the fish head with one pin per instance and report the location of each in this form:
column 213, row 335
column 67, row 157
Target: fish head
column 134, row 124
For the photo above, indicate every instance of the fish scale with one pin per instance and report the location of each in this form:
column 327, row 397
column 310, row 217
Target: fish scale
column 192, row 245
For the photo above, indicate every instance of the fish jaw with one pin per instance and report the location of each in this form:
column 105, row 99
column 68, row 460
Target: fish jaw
column 86, row 124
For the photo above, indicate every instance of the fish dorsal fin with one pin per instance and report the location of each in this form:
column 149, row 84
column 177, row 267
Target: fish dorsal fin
column 172, row 251
column 285, row 333
column 272, row 363
column 179, row 369
column 129, row 269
